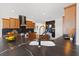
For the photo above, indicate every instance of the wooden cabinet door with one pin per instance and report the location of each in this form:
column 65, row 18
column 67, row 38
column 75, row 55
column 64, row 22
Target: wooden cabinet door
column 69, row 18
column 17, row 24
column 30, row 24
column 12, row 24
column 6, row 23
column 33, row 25
column 27, row 24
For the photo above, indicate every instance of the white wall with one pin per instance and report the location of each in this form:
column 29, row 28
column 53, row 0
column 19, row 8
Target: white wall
column 77, row 25
column 59, row 27
column 0, row 28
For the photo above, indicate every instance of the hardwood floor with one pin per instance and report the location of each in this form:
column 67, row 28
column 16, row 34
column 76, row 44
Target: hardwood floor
column 63, row 48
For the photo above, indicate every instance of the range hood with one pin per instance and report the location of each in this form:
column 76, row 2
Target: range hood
column 22, row 20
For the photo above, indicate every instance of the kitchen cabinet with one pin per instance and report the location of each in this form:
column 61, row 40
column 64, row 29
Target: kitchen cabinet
column 6, row 23
column 69, row 20
column 30, row 25
column 14, row 23
column 10, row 23
column 17, row 23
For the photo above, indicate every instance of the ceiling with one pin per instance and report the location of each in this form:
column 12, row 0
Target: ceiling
column 36, row 11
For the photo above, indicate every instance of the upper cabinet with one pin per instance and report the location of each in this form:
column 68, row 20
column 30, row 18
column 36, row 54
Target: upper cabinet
column 11, row 23
column 6, row 23
column 30, row 25
column 69, row 20
column 14, row 23
column 17, row 23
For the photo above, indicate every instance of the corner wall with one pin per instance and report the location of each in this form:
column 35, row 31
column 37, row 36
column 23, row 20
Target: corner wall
column 77, row 25
column 58, row 27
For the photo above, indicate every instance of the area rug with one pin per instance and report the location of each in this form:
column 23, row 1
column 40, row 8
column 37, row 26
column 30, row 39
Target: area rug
column 43, row 43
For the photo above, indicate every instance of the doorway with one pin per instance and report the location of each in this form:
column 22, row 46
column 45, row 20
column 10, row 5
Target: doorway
column 52, row 25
